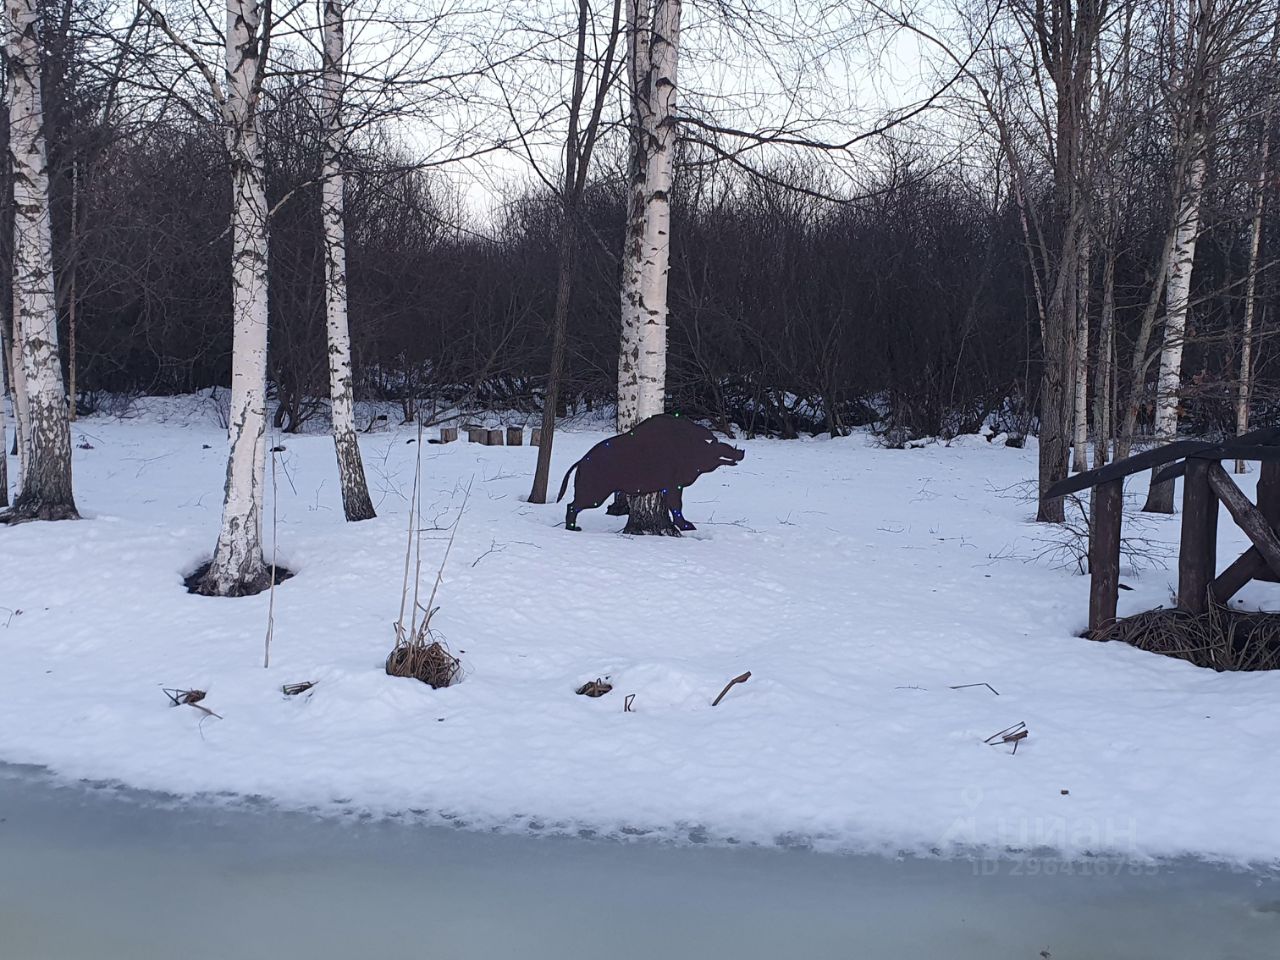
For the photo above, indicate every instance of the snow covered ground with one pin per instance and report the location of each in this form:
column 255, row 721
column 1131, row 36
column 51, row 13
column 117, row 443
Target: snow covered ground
column 858, row 585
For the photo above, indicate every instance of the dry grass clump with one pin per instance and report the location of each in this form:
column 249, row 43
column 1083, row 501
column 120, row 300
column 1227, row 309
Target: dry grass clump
column 425, row 659
column 1220, row 639
column 419, row 652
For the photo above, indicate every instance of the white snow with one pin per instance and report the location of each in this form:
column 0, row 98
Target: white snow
column 857, row 584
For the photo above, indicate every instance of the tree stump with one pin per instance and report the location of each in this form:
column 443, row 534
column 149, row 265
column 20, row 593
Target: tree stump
column 448, row 434
column 649, row 516
column 515, row 436
column 493, row 438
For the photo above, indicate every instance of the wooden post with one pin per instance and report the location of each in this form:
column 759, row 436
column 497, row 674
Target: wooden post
column 1198, row 553
column 1251, row 564
column 1247, row 517
column 1269, row 491
column 448, row 434
column 515, row 436
column 535, row 437
column 1104, row 554
column 493, row 438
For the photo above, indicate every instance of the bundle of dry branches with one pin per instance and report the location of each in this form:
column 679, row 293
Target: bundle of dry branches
column 1221, row 638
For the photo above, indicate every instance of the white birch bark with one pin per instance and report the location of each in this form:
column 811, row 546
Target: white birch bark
column 1102, row 425
column 1080, row 424
column 1245, row 388
column 237, row 567
column 640, row 84
column 37, row 371
column 1251, row 297
column 656, row 246
column 1177, row 296
column 355, row 491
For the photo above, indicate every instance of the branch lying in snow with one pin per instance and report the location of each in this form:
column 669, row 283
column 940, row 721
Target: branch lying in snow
column 965, row 686
column 496, row 547
column 1015, row 735
column 739, row 679
column 189, row 698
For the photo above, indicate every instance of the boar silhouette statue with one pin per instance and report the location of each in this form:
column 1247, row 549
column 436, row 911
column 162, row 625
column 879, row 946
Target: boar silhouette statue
column 664, row 453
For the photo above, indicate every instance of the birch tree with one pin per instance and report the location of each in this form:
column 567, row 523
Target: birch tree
column 355, row 491
column 45, row 434
column 639, row 67
column 1244, row 388
column 645, row 307
column 1063, row 36
column 237, row 567
column 639, row 80
column 1104, row 371
column 1080, row 427
column 1194, row 75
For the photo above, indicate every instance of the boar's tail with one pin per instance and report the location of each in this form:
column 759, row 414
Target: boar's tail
column 564, row 484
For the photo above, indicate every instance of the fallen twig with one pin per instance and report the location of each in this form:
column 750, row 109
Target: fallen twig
column 189, row 698
column 1015, row 735
column 178, row 698
column 293, row 689
column 965, row 686
column 739, row 679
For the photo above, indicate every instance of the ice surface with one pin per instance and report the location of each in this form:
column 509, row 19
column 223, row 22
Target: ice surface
column 857, row 584
column 86, row 875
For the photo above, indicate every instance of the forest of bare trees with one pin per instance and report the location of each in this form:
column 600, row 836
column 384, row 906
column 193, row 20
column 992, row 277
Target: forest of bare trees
column 1071, row 232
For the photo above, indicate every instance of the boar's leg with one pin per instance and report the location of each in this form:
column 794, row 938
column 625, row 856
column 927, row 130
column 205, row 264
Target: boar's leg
column 619, row 507
column 571, row 517
column 675, row 503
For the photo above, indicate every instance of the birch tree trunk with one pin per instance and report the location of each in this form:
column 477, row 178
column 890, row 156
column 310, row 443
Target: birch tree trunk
column 1250, row 302
column 71, row 293
column 639, row 86
column 1103, row 377
column 355, row 491
column 1080, row 425
column 648, row 513
column 46, row 492
column 1177, row 298
column 651, row 371
column 1245, row 388
column 237, row 567
column 1139, row 361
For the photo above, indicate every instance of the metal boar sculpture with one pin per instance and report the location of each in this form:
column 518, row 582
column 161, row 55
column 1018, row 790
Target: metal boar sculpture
column 664, row 453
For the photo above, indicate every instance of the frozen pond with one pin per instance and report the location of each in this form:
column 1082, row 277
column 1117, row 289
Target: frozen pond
column 94, row 875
